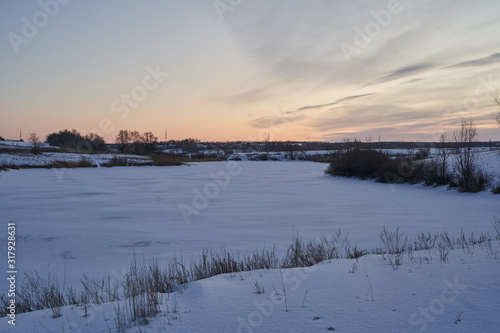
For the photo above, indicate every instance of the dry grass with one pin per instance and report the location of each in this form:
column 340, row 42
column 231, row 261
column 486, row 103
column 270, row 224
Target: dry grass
column 139, row 295
column 167, row 160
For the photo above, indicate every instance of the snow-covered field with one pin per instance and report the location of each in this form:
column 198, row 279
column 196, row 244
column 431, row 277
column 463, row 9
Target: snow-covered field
column 22, row 159
column 459, row 296
column 71, row 221
column 23, row 145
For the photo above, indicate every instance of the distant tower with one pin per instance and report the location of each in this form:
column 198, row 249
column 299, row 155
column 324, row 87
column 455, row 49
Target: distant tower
column 166, row 136
column 20, row 136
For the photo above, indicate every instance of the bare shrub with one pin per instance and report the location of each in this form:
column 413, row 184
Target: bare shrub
column 444, row 176
column 300, row 254
column 35, row 143
column 85, row 162
column 393, row 242
column 167, row 160
column 373, row 164
column 496, row 226
column 395, row 260
column 364, row 164
column 259, row 288
column 497, row 116
column 469, row 176
column 425, row 241
column 116, row 161
column 443, row 254
column 139, row 296
column 63, row 164
column 435, row 172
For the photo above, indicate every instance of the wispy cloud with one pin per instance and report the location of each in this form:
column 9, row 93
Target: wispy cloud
column 405, row 71
column 274, row 120
column 370, row 117
column 345, row 99
column 249, row 96
column 491, row 59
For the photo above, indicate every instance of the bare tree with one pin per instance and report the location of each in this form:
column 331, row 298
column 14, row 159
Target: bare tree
column 96, row 141
column 470, row 176
column 135, row 136
column 497, row 116
column 293, row 149
column 149, row 137
column 35, row 141
column 442, row 158
column 465, row 156
column 123, row 139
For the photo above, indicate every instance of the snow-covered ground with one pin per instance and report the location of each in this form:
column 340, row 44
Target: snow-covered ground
column 23, row 145
column 71, row 221
column 342, row 295
column 490, row 162
column 21, row 159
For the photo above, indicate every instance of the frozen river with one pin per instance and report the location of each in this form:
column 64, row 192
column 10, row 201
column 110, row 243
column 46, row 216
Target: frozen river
column 93, row 220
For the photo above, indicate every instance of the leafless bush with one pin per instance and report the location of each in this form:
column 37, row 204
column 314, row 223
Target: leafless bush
column 259, row 288
column 469, row 176
column 84, row 162
column 495, row 189
column 64, row 164
column 139, row 296
column 496, row 226
column 443, row 254
column 212, row 263
column 35, row 141
column 425, row 241
column 393, row 242
column 395, row 260
column 40, row 293
column 121, row 321
column 102, row 292
column 300, row 254
column 166, row 160
column 116, row 161
column 364, row 164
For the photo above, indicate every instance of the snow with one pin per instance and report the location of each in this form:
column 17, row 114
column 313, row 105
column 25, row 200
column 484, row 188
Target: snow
column 416, row 297
column 93, row 220
column 22, row 144
column 490, row 162
column 48, row 158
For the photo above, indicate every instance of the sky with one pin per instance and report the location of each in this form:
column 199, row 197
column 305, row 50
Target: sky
column 315, row 70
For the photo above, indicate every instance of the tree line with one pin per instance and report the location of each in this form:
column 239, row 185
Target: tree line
column 128, row 141
column 463, row 171
column 137, row 143
column 74, row 140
